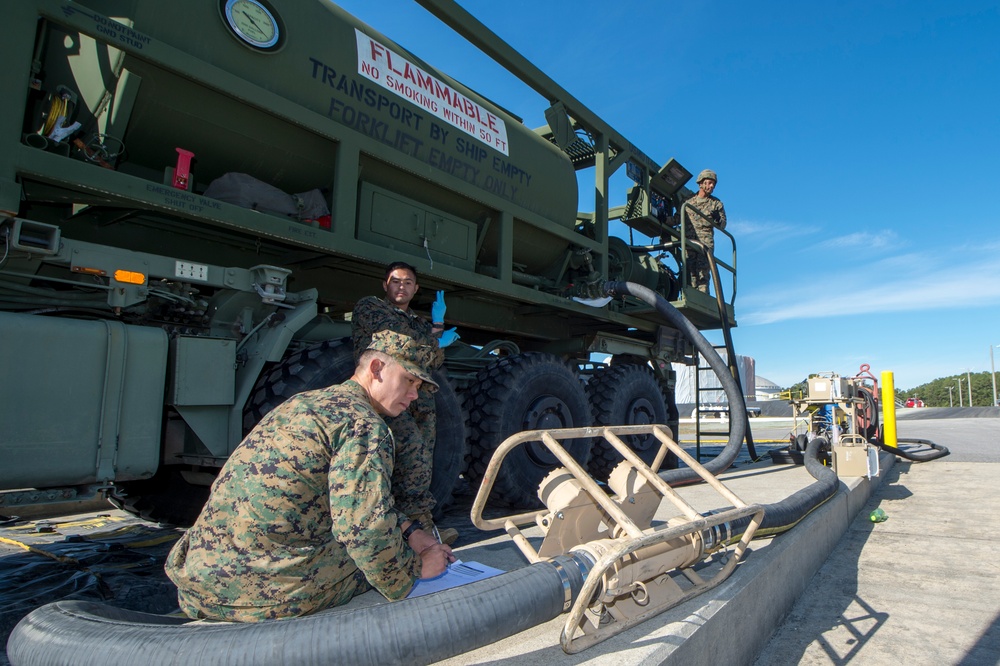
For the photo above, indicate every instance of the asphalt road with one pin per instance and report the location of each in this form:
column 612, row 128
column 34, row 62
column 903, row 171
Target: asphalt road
column 972, row 436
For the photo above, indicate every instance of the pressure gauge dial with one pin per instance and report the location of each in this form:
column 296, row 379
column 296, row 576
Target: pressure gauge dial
column 253, row 23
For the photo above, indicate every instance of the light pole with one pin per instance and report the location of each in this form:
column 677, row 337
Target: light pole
column 993, row 376
column 968, row 373
column 951, row 402
column 959, row 380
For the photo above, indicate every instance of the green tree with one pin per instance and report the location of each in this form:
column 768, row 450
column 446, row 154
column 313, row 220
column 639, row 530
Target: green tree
column 935, row 393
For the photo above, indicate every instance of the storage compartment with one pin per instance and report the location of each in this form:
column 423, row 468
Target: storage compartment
column 78, row 397
column 396, row 223
column 855, row 461
column 829, row 389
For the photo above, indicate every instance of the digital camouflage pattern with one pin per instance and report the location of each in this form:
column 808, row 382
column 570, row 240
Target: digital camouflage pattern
column 706, row 174
column 301, row 517
column 413, row 430
column 373, row 314
column 703, row 215
column 412, row 356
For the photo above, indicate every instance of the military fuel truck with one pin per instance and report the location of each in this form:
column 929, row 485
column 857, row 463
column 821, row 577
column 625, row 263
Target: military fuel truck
column 194, row 194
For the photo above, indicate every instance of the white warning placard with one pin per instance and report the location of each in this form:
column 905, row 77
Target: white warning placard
column 391, row 70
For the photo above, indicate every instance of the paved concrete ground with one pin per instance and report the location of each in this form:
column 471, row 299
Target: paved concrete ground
column 920, row 588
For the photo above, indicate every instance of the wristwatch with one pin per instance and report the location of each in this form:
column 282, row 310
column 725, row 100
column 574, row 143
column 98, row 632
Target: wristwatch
column 415, row 525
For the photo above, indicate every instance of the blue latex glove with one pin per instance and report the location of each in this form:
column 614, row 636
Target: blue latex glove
column 438, row 309
column 448, row 337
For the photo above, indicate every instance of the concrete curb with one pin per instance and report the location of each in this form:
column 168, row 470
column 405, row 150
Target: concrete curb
column 733, row 623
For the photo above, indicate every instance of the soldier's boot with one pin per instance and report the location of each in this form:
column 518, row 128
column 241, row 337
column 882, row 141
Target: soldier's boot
column 447, row 535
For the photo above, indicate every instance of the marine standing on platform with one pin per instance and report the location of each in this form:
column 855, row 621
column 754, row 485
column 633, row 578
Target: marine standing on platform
column 302, row 517
column 703, row 213
column 414, row 430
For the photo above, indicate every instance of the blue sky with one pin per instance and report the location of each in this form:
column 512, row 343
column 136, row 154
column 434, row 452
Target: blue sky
column 856, row 145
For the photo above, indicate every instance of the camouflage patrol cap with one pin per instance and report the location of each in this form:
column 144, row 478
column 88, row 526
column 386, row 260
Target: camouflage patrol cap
column 415, row 358
column 707, row 174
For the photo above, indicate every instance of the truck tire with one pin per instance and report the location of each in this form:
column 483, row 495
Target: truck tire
column 166, row 497
column 530, row 391
column 332, row 362
column 324, row 364
column 451, row 443
column 624, row 395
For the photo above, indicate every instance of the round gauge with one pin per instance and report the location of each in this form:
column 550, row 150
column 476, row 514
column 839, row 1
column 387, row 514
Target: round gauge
column 253, row 23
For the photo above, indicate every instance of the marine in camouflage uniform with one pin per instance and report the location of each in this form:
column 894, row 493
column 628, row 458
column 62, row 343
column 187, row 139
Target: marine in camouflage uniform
column 414, row 430
column 302, row 516
column 704, row 213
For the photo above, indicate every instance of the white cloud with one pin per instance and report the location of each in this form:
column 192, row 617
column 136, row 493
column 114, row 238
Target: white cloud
column 945, row 279
column 861, row 239
column 757, row 234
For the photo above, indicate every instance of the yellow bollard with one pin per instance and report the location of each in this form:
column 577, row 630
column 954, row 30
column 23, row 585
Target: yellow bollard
column 888, row 408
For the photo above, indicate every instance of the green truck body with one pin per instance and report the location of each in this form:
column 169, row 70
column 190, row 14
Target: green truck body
column 146, row 326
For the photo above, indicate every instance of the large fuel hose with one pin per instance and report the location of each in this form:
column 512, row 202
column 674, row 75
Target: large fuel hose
column 414, row 631
column 780, row 516
column 737, row 406
column 932, row 452
column 786, row 514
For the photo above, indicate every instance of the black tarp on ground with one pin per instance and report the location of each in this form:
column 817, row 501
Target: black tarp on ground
column 103, row 557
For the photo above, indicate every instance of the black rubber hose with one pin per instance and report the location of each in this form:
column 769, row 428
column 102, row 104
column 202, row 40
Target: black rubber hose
column 414, row 631
column 738, row 423
column 932, row 452
column 786, row 514
column 780, row 516
column 868, row 414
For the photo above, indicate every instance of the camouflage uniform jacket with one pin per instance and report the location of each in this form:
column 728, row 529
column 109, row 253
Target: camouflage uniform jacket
column 299, row 507
column 373, row 314
column 701, row 227
column 414, row 430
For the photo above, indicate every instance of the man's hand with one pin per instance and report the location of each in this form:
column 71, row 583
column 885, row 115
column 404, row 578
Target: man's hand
column 421, row 540
column 448, row 337
column 435, row 560
column 434, row 556
column 438, row 309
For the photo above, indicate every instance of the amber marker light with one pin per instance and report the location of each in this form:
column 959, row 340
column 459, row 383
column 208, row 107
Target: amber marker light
column 130, row 277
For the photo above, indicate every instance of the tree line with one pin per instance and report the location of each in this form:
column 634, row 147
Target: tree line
column 935, row 393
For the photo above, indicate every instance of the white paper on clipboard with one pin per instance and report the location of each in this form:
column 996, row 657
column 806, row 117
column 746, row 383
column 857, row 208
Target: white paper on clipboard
column 458, row 573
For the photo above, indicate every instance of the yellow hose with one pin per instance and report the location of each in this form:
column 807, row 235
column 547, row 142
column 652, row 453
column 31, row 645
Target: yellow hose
column 57, row 109
column 39, row 551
